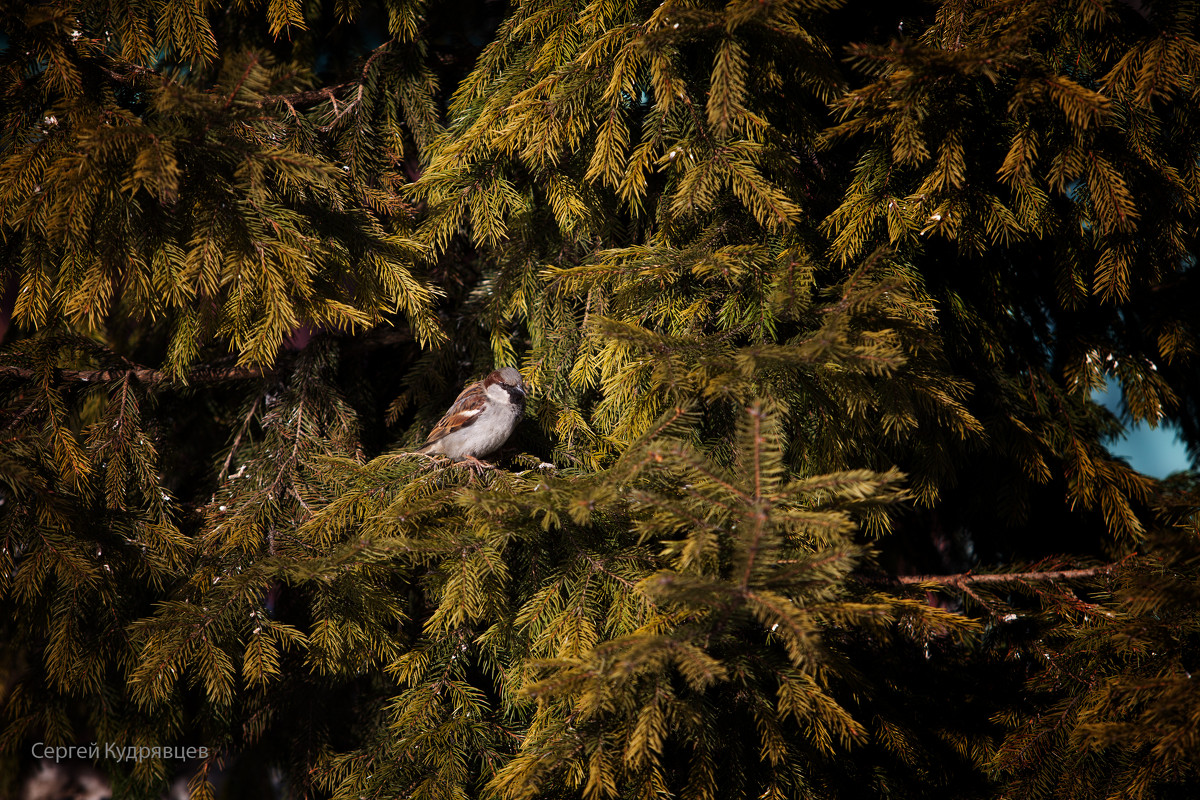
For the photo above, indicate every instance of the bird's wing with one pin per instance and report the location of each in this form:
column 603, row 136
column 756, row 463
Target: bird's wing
column 467, row 406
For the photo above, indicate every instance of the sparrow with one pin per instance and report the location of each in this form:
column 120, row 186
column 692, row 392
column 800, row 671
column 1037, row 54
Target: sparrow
column 481, row 419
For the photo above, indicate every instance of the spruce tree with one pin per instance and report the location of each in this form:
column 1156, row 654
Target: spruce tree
column 811, row 499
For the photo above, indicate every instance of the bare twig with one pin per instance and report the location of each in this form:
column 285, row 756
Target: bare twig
column 237, row 440
column 308, row 96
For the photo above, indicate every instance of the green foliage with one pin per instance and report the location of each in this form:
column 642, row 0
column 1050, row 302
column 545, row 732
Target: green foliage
column 811, row 501
column 728, row 688
column 213, row 213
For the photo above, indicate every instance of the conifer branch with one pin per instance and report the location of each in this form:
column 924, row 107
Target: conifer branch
column 142, row 374
column 322, row 93
column 613, row 198
column 598, row 566
column 965, row 579
column 250, row 64
column 309, row 96
column 760, row 514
